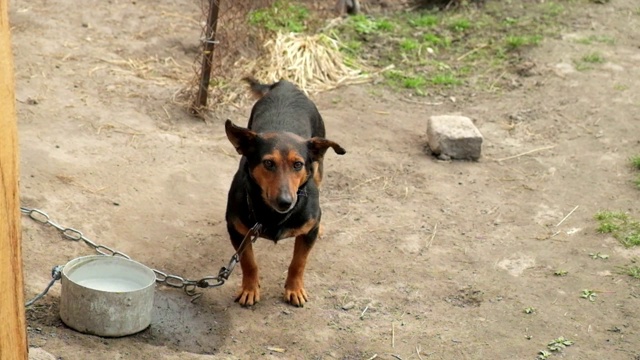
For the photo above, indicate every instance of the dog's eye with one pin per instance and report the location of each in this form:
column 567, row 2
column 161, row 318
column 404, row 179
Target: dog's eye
column 269, row 164
column 298, row 165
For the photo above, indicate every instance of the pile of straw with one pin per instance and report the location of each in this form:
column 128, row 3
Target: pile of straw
column 313, row 62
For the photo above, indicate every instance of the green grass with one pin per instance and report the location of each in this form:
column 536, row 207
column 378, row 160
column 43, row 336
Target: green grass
column 364, row 25
column 476, row 46
column 600, row 39
column 281, row 16
column 635, row 163
column 631, row 270
column 424, row 21
column 516, row 42
column 434, row 40
column 446, row 79
column 409, row 44
column 620, row 225
column 460, row 25
column 593, row 58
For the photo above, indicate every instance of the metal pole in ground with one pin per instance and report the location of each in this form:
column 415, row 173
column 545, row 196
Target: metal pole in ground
column 207, row 57
column 13, row 332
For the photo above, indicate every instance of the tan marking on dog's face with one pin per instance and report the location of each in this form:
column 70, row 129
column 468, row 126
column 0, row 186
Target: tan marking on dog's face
column 280, row 173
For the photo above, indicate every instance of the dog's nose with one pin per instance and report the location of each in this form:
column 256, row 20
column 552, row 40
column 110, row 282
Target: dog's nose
column 284, row 201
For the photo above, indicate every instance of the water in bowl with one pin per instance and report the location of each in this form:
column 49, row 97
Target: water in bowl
column 110, row 284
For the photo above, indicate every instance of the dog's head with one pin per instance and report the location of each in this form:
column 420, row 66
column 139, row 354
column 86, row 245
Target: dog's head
column 280, row 163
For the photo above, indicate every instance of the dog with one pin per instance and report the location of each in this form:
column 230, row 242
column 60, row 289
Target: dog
column 277, row 182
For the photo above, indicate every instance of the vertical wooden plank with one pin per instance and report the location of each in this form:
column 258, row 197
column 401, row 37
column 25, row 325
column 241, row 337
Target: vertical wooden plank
column 13, row 335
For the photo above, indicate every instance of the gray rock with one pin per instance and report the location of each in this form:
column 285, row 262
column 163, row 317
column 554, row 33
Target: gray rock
column 454, row 136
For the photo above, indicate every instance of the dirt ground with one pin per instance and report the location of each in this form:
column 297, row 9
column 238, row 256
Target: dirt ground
column 438, row 259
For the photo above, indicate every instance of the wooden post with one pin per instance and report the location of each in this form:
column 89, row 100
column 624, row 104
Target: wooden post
column 207, row 57
column 13, row 333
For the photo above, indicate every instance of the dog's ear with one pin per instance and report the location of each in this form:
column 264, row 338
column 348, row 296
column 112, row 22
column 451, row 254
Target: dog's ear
column 318, row 147
column 242, row 139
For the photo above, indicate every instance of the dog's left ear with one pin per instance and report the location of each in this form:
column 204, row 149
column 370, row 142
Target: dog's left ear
column 318, row 147
column 241, row 138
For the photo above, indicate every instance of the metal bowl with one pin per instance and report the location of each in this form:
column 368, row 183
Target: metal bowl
column 107, row 295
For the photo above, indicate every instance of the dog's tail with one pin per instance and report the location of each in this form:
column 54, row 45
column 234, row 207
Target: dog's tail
column 258, row 89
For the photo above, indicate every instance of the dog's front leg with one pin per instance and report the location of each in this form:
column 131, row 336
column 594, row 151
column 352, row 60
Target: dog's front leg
column 249, row 293
column 294, row 292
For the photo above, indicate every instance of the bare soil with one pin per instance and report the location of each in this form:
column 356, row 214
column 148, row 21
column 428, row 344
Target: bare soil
column 436, row 260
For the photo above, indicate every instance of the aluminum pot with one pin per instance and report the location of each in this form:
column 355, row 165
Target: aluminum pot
column 107, row 296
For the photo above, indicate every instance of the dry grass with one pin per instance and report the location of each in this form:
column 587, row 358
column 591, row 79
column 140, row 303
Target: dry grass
column 313, row 62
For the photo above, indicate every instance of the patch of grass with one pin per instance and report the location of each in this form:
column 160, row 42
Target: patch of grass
column 406, row 81
column 365, row 25
column 409, row 44
column 635, row 162
column 516, row 42
column 631, row 270
column 434, row 40
column 601, row 39
column 553, row 9
column 476, row 46
column 446, row 79
column 424, row 21
column 460, row 25
column 560, row 273
column 621, row 226
column 593, row 58
column 281, row 16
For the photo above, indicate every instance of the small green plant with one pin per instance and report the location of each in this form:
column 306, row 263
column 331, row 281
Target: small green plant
column 589, row 295
column 559, row 344
column 602, row 39
column 424, row 21
column 365, row 25
column 529, row 310
column 598, row 255
column 409, row 44
column 593, row 58
column 282, row 16
column 435, row 40
column 635, row 162
column 405, row 80
column 515, row 42
column 460, row 25
column 560, row 273
column 445, row 79
column 543, row 355
column 553, row 9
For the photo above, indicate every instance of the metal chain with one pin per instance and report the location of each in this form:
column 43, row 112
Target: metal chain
column 173, row 281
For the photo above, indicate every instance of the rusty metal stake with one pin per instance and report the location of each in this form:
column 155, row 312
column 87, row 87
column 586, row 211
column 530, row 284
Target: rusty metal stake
column 207, row 57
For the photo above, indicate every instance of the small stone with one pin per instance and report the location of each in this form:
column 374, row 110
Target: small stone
column 348, row 306
column 455, row 137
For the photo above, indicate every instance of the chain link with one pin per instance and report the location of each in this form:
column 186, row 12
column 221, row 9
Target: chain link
column 174, row 281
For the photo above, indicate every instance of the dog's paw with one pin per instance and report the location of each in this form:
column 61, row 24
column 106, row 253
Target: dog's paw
column 248, row 296
column 296, row 296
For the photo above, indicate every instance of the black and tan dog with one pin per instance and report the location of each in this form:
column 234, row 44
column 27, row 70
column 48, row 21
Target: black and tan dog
column 277, row 182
